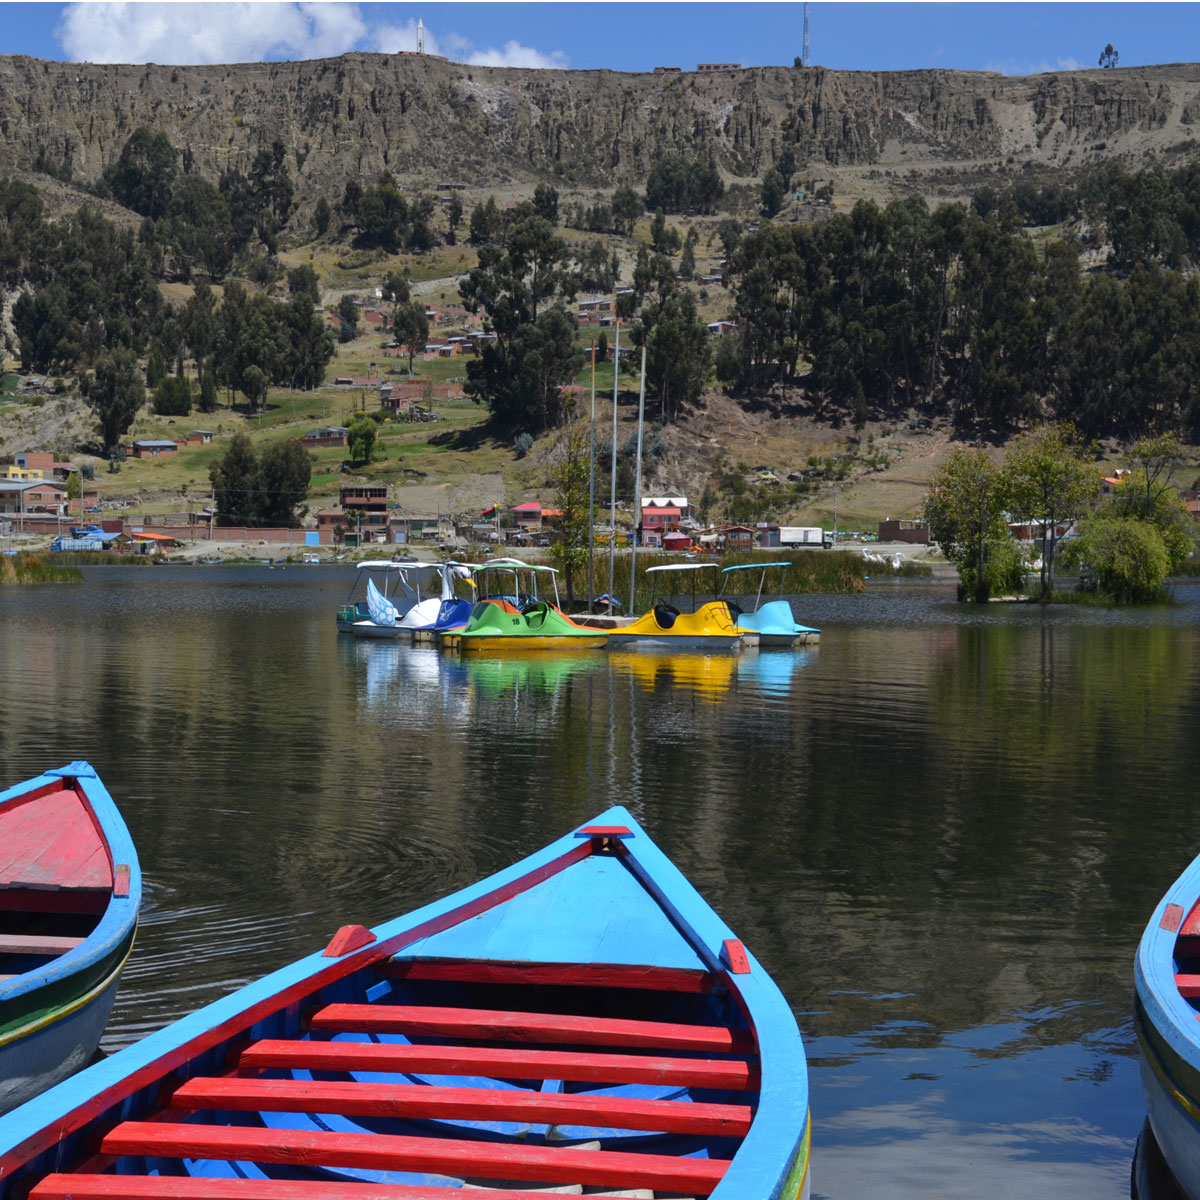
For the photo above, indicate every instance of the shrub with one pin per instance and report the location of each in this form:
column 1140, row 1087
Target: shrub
column 1125, row 559
column 523, row 443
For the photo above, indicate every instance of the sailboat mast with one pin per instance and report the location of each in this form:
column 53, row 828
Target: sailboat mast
column 592, row 493
column 612, row 500
column 637, row 485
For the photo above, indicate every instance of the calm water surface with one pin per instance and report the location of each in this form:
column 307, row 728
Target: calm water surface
column 942, row 831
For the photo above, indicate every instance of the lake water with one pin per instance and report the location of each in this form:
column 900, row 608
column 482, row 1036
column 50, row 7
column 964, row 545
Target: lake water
column 942, row 831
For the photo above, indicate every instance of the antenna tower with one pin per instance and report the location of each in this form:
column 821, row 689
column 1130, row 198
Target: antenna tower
column 804, row 58
column 421, row 33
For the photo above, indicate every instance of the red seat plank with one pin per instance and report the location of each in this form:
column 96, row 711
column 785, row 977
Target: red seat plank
column 501, row 1025
column 656, row 979
column 33, row 943
column 1189, row 986
column 572, row 1066
column 385, row 1152
column 182, row 1187
column 464, row 1104
column 79, row 901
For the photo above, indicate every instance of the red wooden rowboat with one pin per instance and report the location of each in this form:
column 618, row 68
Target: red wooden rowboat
column 581, row 1023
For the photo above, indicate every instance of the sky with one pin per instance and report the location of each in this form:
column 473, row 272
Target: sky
column 1015, row 39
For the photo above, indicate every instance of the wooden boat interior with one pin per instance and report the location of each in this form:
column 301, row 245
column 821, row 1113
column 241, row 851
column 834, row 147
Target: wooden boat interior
column 453, row 1063
column 53, row 891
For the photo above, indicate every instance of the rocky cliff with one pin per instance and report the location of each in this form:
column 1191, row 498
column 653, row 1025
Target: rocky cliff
column 427, row 120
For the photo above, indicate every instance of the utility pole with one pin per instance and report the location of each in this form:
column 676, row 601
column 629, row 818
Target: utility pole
column 637, row 488
column 592, row 493
column 612, row 506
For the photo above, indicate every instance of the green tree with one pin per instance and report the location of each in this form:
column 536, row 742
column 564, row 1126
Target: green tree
column 360, row 439
column 1125, row 559
column 545, row 202
column 347, row 311
column 284, row 473
column 454, row 216
column 173, row 397
column 207, row 400
column 570, row 480
column 115, row 392
column 322, row 214
column 625, row 208
column 964, row 510
column 254, row 385
column 410, row 327
column 235, row 483
column 303, row 281
column 1108, row 56
column 771, row 193
column 664, row 238
column 677, row 352
column 485, row 222
column 1046, row 478
column 142, row 176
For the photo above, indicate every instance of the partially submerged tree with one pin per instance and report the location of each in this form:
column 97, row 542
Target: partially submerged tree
column 1046, row 478
column 965, row 513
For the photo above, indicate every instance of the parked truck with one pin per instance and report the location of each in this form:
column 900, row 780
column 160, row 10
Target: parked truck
column 804, row 535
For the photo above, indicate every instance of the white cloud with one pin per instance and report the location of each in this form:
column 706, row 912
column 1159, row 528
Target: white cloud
column 1042, row 67
column 1070, row 64
column 516, row 55
column 207, row 33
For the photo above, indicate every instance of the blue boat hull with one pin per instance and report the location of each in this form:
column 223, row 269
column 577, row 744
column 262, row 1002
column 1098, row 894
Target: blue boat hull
column 1167, row 1021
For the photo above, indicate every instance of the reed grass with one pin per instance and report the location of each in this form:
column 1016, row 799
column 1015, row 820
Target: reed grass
column 36, row 568
column 808, row 571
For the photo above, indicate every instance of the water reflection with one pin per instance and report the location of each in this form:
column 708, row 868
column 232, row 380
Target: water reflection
column 941, row 830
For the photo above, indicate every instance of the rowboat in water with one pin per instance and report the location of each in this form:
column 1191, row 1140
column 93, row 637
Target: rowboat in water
column 772, row 621
column 709, row 626
column 1167, row 1020
column 70, row 889
column 581, row 1022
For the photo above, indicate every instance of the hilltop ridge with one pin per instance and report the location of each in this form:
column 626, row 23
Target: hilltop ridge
column 427, row 120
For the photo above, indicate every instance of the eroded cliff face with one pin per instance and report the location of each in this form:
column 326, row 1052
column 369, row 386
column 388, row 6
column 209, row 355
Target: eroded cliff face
column 427, row 121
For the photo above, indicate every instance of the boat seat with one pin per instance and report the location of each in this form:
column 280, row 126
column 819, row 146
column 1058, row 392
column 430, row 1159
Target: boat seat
column 665, row 615
column 506, row 1026
column 570, row 1066
column 432, row 1102
column 75, row 901
column 391, row 1152
column 37, row 944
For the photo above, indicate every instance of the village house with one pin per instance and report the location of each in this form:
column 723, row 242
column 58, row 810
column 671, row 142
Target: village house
column 32, row 495
column 327, row 435
column 154, row 448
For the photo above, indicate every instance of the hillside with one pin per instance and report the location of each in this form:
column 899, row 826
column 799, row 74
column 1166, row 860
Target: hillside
column 427, row 121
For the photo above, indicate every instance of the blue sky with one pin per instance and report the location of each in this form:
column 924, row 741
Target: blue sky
column 1016, row 39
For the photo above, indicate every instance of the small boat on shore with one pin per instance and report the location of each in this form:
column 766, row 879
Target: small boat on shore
column 70, row 889
column 581, row 1022
column 709, row 626
column 773, row 621
column 1167, row 1022
column 512, row 617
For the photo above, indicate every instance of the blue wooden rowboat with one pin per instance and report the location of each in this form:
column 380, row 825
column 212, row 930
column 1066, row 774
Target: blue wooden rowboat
column 1167, row 1020
column 70, row 889
column 581, row 1021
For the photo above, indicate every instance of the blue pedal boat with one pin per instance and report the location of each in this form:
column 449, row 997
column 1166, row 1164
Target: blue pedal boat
column 772, row 621
column 70, row 889
column 581, row 1022
column 1167, row 1020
